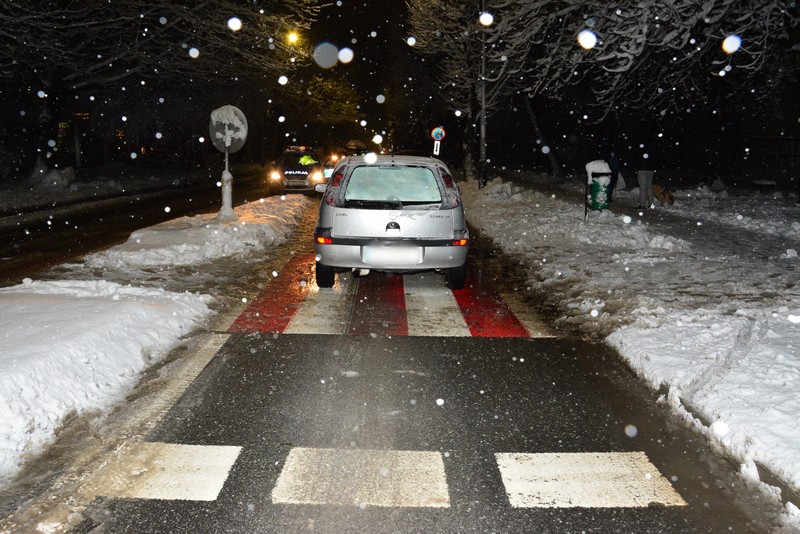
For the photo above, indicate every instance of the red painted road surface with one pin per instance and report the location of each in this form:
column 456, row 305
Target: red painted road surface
column 379, row 306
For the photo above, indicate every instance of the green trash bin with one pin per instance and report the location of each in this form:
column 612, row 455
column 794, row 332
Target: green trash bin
column 599, row 190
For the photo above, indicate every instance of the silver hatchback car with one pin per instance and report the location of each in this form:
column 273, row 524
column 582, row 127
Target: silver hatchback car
column 391, row 213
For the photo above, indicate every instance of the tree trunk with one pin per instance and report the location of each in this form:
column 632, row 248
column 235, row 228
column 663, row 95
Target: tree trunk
column 556, row 169
column 468, row 148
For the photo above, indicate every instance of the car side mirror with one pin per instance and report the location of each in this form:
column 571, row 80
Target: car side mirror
column 320, row 188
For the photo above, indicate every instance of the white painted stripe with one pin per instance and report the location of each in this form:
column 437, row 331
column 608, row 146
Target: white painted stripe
column 363, row 478
column 431, row 308
column 325, row 311
column 535, row 326
column 584, row 480
column 164, row 471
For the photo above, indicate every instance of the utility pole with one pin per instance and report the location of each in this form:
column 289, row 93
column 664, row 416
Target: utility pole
column 486, row 20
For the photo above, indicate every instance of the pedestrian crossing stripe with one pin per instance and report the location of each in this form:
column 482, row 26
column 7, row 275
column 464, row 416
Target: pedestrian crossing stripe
column 385, row 478
column 585, row 480
column 168, row 471
column 347, row 477
column 381, row 304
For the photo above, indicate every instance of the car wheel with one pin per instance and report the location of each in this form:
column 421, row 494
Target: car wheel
column 456, row 277
column 325, row 275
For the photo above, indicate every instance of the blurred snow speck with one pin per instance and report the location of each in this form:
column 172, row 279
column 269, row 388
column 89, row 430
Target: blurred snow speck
column 283, row 80
column 631, row 431
column 346, row 55
column 326, row 55
column 194, row 53
column 235, row 24
column 731, row 44
column 587, row 39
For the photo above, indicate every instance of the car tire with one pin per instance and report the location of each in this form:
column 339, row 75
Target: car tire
column 325, row 275
column 456, row 277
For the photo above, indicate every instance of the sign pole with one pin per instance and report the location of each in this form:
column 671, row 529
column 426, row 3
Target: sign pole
column 228, row 132
column 437, row 134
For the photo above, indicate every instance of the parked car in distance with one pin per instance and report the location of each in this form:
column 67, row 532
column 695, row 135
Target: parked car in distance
column 391, row 213
column 298, row 169
column 329, row 165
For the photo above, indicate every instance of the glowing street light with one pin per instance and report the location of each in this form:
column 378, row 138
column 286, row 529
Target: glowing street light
column 293, row 38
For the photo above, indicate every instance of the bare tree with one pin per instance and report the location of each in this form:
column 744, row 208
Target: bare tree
column 476, row 73
column 654, row 57
column 66, row 50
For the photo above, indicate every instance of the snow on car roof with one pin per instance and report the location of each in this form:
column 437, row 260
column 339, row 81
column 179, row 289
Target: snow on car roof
column 392, row 159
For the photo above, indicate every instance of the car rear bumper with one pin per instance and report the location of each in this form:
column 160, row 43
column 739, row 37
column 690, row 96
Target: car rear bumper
column 383, row 256
column 296, row 185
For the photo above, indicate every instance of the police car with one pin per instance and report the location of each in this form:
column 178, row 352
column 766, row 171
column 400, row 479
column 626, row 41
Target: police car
column 298, row 169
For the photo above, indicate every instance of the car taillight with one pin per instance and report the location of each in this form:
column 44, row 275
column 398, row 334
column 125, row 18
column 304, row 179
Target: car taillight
column 448, row 181
column 336, row 180
column 460, row 242
column 322, row 236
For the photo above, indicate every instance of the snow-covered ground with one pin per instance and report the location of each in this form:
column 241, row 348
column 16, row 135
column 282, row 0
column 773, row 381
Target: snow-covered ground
column 79, row 345
column 700, row 298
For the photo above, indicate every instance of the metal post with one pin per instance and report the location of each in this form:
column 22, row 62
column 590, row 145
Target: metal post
column 482, row 89
column 482, row 160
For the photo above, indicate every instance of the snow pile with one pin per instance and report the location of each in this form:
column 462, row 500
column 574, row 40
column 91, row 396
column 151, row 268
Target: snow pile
column 707, row 307
column 53, row 365
column 77, row 346
column 202, row 238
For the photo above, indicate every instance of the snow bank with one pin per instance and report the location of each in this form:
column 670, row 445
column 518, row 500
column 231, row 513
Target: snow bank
column 78, row 346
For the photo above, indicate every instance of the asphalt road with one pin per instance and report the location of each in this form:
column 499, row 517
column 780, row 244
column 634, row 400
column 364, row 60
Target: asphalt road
column 418, row 434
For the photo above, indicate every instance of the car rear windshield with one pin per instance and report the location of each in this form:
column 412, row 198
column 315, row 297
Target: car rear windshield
column 407, row 185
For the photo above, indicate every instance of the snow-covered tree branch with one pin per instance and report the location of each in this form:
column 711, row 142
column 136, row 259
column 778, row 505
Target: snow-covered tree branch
column 649, row 54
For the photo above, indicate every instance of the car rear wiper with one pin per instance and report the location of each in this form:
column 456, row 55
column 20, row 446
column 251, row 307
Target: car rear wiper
column 373, row 204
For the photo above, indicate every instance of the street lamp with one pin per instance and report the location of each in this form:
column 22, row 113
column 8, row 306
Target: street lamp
column 292, row 38
column 486, row 20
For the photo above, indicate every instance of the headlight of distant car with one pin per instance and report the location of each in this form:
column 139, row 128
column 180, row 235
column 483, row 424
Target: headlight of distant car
column 275, row 175
column 317, row 176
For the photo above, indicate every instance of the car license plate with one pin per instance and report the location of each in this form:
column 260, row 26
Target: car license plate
column 391, row 255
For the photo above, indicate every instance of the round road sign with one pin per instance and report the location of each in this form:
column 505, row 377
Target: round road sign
column 228, row 129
